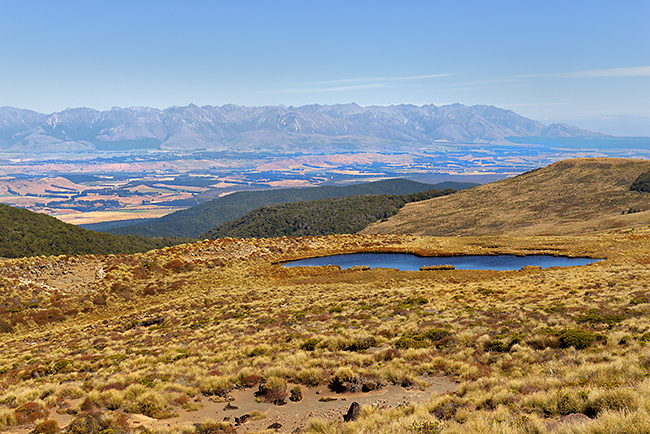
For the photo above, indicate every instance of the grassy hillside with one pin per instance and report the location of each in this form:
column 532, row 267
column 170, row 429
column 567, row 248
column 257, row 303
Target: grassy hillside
column 212, row 337
column 25, row 233
column 342, row 215
column 568, row 197
column 194, row 221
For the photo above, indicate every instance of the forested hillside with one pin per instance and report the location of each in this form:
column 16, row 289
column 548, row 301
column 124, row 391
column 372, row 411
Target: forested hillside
column 196, row 220
column 25, row 233
column 343, row 215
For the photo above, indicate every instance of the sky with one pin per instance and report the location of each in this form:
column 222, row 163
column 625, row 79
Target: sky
column 581, row 62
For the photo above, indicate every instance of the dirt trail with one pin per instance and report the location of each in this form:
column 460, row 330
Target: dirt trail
column 290, row 416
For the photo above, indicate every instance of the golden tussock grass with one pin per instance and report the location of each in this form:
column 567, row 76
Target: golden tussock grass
column 225, row 316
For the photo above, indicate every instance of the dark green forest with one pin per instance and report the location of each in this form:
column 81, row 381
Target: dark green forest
column 642, row 183
column 343, row 215
column 25, row 233
column 194, row 221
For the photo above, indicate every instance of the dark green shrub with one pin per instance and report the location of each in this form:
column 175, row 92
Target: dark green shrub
column 310, row 344
column 362, row 344
column 595, row 317
column 642, row 183
column 497, row 345
column 424, row 339
column 577, row 338
column 640, row 299
column 410, row 342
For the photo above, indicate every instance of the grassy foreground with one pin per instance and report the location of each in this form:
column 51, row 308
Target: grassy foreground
column 90, row 344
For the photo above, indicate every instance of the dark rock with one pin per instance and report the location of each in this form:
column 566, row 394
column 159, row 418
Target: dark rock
column 354, row 412
column 407, row 383
column 153, row 321
column 275, row 426
column 242, row 419
column 279, row 401
column 229, row 406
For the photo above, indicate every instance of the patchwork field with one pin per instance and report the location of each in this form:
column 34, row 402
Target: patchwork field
column 217, row 337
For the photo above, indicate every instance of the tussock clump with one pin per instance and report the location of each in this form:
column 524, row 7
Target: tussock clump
column 273, row 390
column 96, row 423
column 214, row 428
column 344, row 380
column 622, row 400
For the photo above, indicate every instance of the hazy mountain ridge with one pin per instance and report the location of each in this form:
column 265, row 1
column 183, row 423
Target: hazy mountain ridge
column 232, row 127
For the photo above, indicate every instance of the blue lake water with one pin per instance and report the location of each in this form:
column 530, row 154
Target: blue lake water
column 407, row 262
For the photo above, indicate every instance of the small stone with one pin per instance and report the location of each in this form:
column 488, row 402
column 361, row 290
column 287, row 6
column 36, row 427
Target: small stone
column 229, row 406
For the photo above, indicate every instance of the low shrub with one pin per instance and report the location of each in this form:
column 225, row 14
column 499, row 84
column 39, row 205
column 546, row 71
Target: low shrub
column 273, row 390
column 362, row 344
column 597, row 317
column 344, row 380
column 576, row 338
column 423, row 339
column 46, row 427
column 29, row 412
column 296, row 394
column 640, row 299
column 310, row 344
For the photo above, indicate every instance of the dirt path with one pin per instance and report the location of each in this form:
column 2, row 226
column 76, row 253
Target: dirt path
column 317, row 402
column 294, row 415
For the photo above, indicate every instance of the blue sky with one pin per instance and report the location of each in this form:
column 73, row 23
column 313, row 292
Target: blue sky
column 581, row 62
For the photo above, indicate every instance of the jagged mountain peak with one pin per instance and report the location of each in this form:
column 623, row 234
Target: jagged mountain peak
column 188, row 127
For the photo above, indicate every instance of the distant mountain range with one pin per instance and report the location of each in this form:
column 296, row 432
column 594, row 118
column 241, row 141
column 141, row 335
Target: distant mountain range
column 312, row 128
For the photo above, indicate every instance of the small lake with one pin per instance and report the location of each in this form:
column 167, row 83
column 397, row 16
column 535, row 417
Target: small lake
column 408, row 262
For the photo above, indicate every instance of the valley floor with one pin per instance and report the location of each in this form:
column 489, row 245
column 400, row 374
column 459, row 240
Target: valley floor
column 169, row 341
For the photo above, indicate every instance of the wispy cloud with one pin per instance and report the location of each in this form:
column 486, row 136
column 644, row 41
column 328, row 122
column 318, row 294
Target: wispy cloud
column 635, row 71
column 358, row 83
